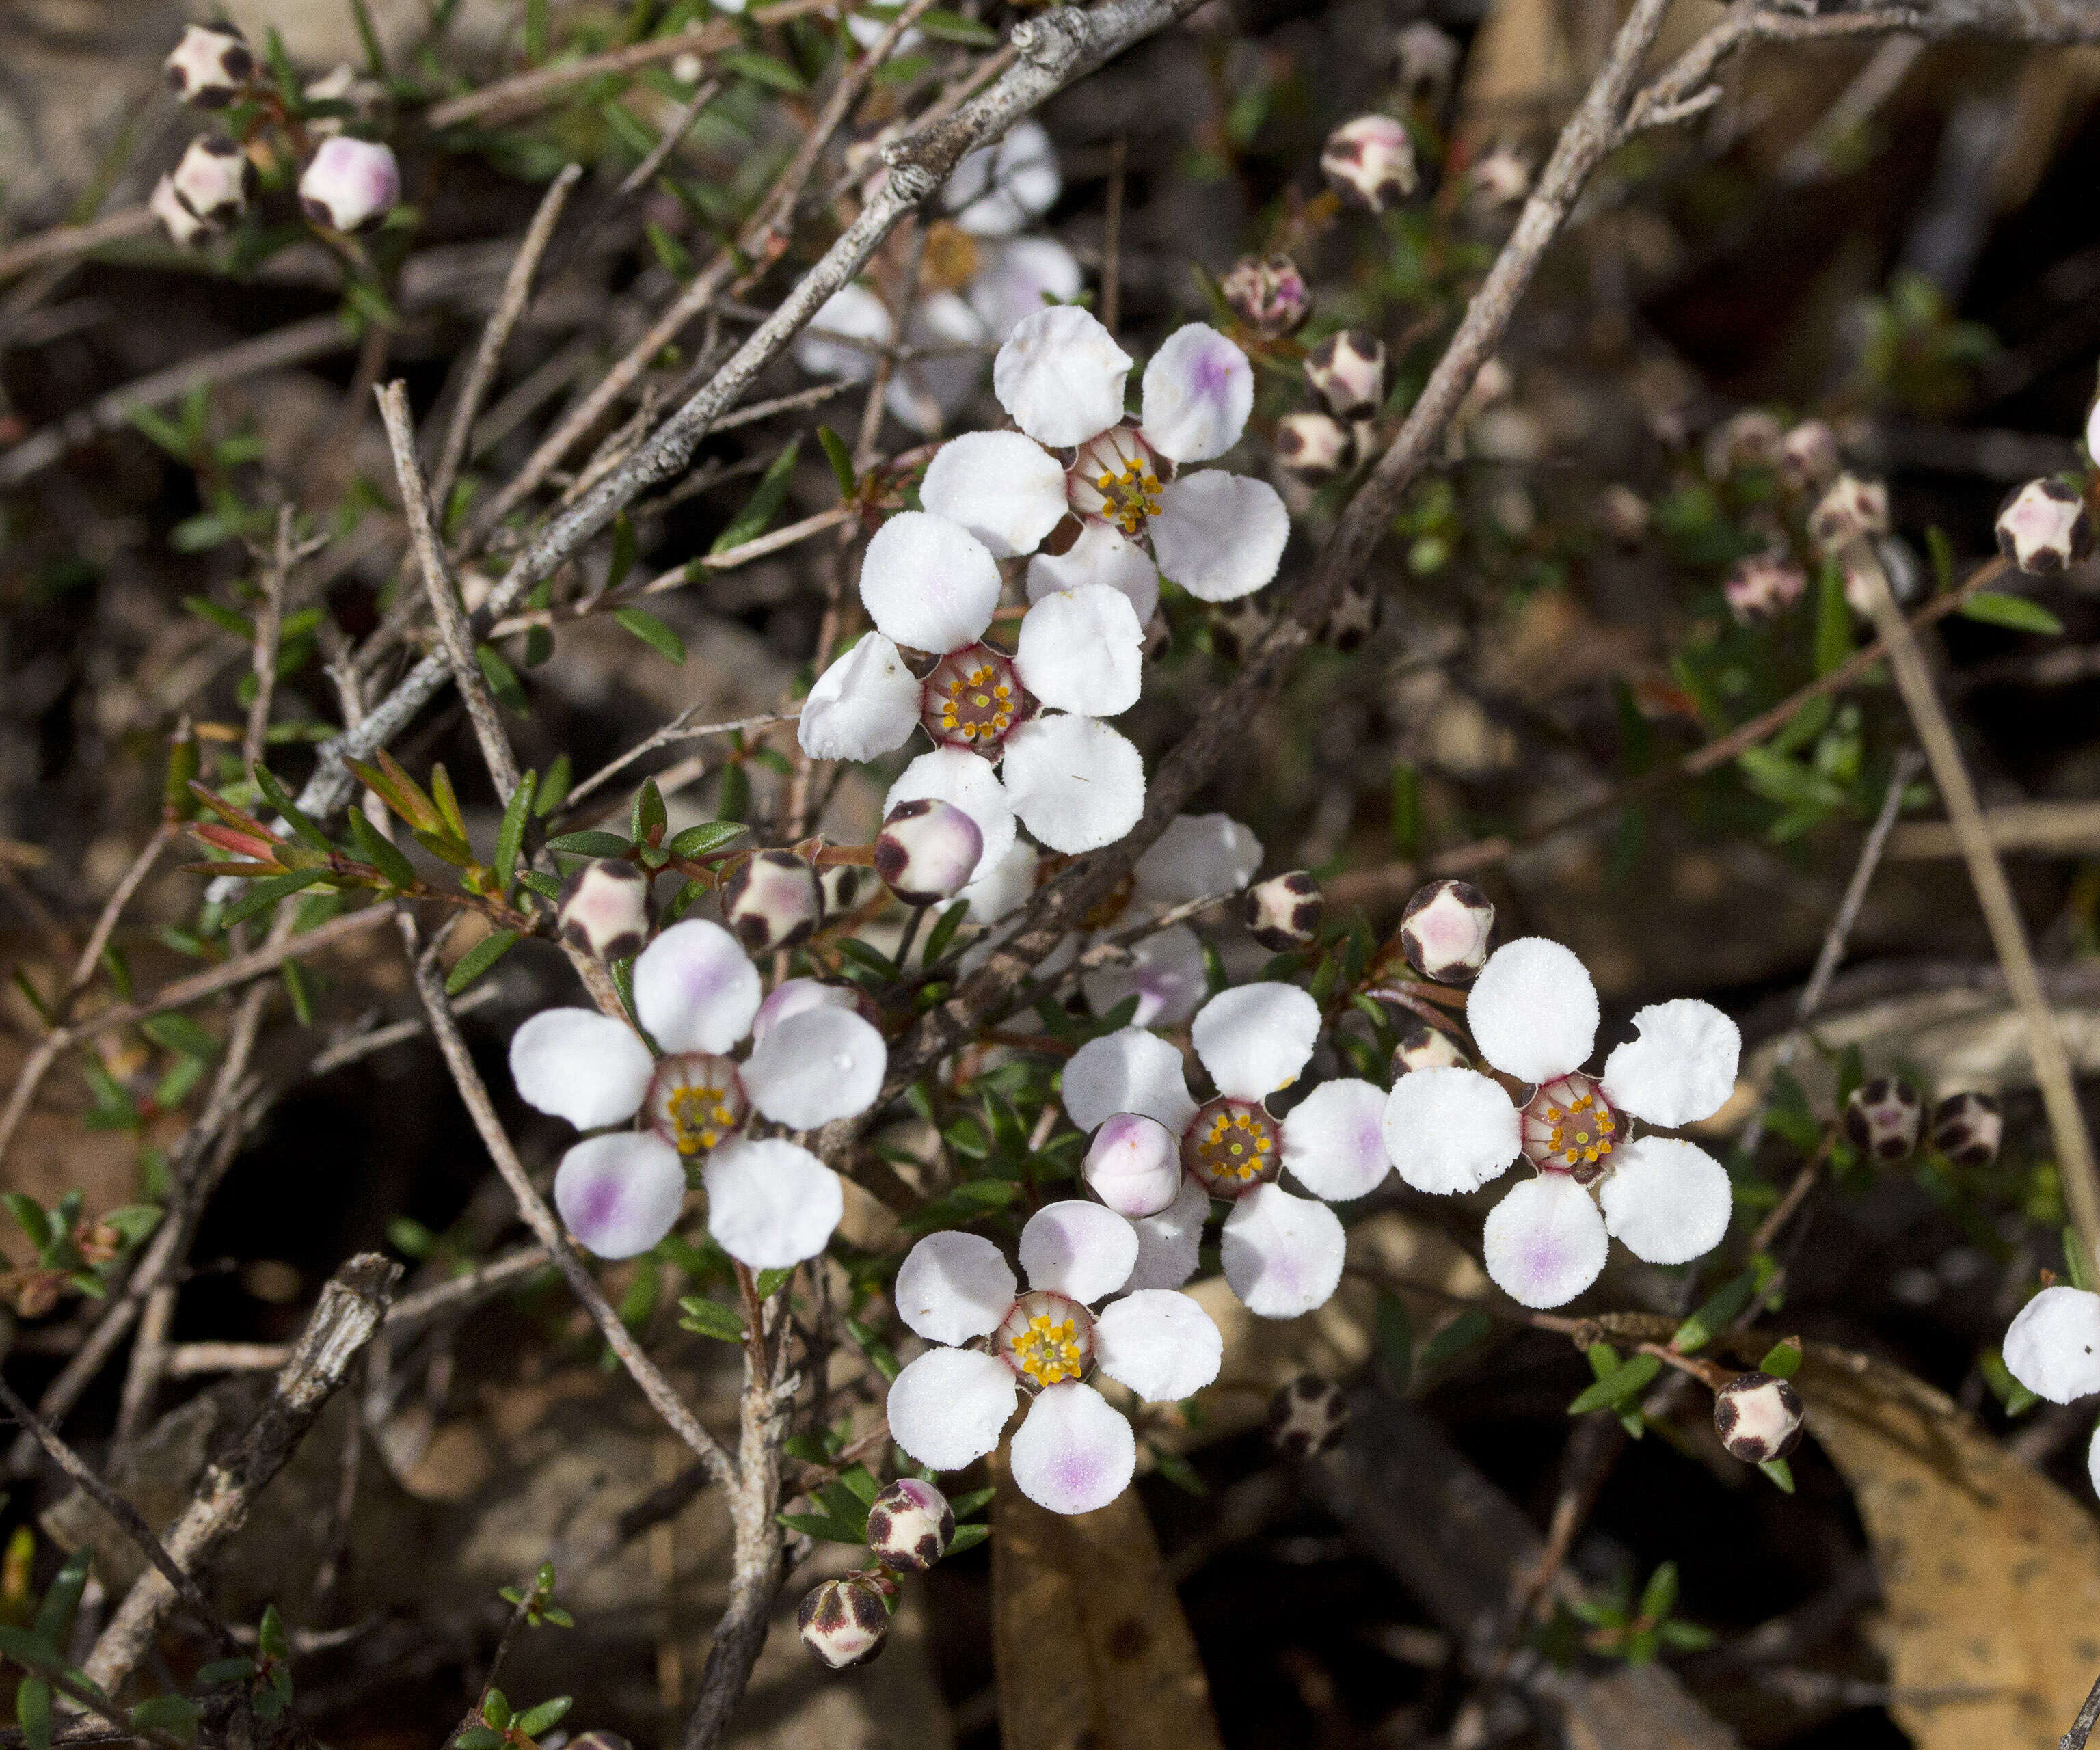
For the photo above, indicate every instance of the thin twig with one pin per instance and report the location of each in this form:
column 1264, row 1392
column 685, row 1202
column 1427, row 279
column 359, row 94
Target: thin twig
column 2081, row 1728
column 677, row 730
column 681, row 125
column 62, row 240
column 272, row 616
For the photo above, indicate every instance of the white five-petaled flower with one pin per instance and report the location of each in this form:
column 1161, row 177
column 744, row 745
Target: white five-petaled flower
column 2052, row 1348
column 771, row 1203
column 1534, row 1012
column 1282, row 1253
column 1074, row 1452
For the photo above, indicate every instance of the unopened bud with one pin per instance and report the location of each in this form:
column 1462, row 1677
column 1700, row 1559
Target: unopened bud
column 1757, row 1417
column 1349, row 622
column 1852, row 508
column 1498, row 180
column 1270, row 296
column 1134, row 1165
column 1882, row 1118
column 1423, row 1047
column 343, row 85
column 1347, row 371
column 185, row 230
column 841, row 886
column 1237, row 627
column 349, row 183
column 1370, row 162
column 1749, row 439
column 1445, row 930
column 927, row 850
column 1967, row 1128
column 1309, row 1415
column 910, row 1525
column 2043, row 527
column 606, row 910
column 843, row 1622
column 210, row 65
column 1622, row 513
column 1808, row 459
column 1284, row 912
column 1763, row 585
column 212, row 179
column 1313, row 446
column 1426, row 60
column 773, row 901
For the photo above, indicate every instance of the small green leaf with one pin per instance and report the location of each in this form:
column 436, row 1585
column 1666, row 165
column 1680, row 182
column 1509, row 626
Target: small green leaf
column 281, row 799
column 943, row 931
column 2077, row 1262
column 878, row 1352
column 32, row 1710
column 1833, row 618
column 825, row 1528
column 1624, row 1381
column 503, row 685
column 968, row 1506
column 711, row 1318
column 653, row 632
column 478, row 958
column 1704, row 1325
column 648, row 818
column 1176, row 1470
column 952, row 27
column 764, row 68
column 591, row 844
column 546, row 887
column 707, row 837
column 623, row 550
column 495, row 1710
column 30, row 1217
column 769, row 1281
column 553, row 787
column 1396, row 1340
column 764, row 504
column 510, row 836
column 226, row 1671
column 448, row 809
column 1783, row 1359
column 840, row 458
column 265, row 894
column 1659, row 1599
column 175, row 1714
column 55, row 1615
column 1995, row 609
column 1453, row 1340
column 1781, row 1473
column 381, row 852
column 177, row 1032
column 967, row 1537
column 535, row 1720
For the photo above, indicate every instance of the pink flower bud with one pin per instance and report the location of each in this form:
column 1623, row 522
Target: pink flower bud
column 1882, row 1118
column 606, row 910
column 1134, row 1165
column 184, row 228
column 1309, row 1415
column 1966, row 1128
column 211, row 180
column 1270, row 296
column 773, row 901
column 910, row 1525
column 1761, row 585
column 1759, row 1418
column 1423, row 1047
column 1347, row 371
column 1313, row 445
column 843, row 1623
column 1445, row 930
column 1370, row 162
column 927, row 851
column 349, row 183
column 2043, row 527
column 1852, row 508
column 1808, row 460
column 210, row 65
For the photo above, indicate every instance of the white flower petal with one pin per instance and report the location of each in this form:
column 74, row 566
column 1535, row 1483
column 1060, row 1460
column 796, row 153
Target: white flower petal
column 1667, row 1201
column 1165, row 973
column 1450, row 1130
column 947, row 1408
column 1199, row 391
column 580, row 1066
column 2053, row 1346
column 1007, row 884
column 1168, row 1243
column 1682, row 1068
column 811, row 1068
column 1533, row 1011
column 1060, row 374
column 1334, row 1141
column 998, row 189
column 1134, row 1165
column 695, row 988
column 953, row 1286
column 929, row 583
column 1072, row 1453
column 1255, row 1039
column 1005, row 489
column 1283, row 1254
column 856, row 313
column 1197, row 856
column 1078, row 1249
column 1544, row 1243
column 2092, row 1451
column 1082, row 649
column 770, row 1203
column 619, row 1194
column 1100, row 555
column 1014, row 278
column 1129, row 1070
column 952, row 774
column 1219, row 536
column 1161, row 1344
column 1076, row 783
column 797, row 996
column 866, row 704
column 926, row 393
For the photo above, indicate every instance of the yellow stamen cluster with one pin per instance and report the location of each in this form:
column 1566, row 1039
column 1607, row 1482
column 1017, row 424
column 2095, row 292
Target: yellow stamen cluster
column 1591, row 1125
column 1234, row 1145
column 978, row 703
column 1048, row 1350
column 700, row 1116
column 1132, row 496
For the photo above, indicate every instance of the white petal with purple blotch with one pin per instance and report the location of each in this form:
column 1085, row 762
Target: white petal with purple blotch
column 1134, row 1165
column 770, row 1203
column 1160, row 1343
column 812, row 1068
column 1197, row 856
column 695, row 988
column 1060, row 375
column 953, row 774
column 1072, row 1453
column 1078, row 1249
column 927, row 583
column 1544, row 1243
column 1100, row 555
column 1129, row 1070
column 1076, row 783
column 1449, row 1130
column 1219, row 536
column 580, row 1066
column 947, row 1408
column 1334, row 1142
column 1666, row 1200
column 1005, row 489
column 1255, row 1039
column 1682, row 1068
column 953, row 1286
column 1283, row 1254
column 1533, row 1011
column 620, row 1195
column 1199, row 391
column 1168, row 1243
column 866, row 704
column 2052, row 1347
column 1082, row 650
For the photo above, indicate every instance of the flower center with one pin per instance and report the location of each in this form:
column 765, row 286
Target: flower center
column 1570, row 1127
column 1114, row 479
column 694, row 1101
column 1231, row 1147
column 971, row 699
column 1046, row 1337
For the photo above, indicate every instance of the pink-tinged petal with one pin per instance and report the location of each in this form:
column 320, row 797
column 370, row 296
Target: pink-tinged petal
column 1334, row 1141
column 797, row 996
column 1682, row 1068
column 866, row 704
column 1082, row 650
column 1072, row 1453
column 1078, row 1249
column 619, row 1194
column 815, row 1067
column 580, row 1066
column 968, row 781
column 953, row 1286
column 1168, row 1243
column 1130, row 1070
column 1544, row 1243
column 1199, row 391
column 996, row 190
column 695, row 988
column 1666, row 1200
column 1100, row 555
column 1076, row 783
column 1014, row 279
column 947, row 1408
column 1219, row 536
column 1165, row 973
column 1197, row 855
column 1060, row 375
column 851, row 313
column 349, row 182
column 1255, row 1039
column 928, row 583
column 2053, row 1346
column 1134, row 1165
column 1449, row 1130
column 1533, row 1011
column 770, row 1203
column 1283, row 1254
column 1160, row 1343
column 1004, row 488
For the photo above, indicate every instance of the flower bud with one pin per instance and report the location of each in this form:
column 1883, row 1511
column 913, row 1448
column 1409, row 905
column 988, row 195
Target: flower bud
column 910, row 1525
column 1134, row 1165
column 1749, row 439
column 1349, row 622
column 1425, row 60
column 184, row 228
column 1445, row 930
column 349, row 183
column 1497, row 179
column 2043, row 527
column 927, row 850
column 841, row 888
column 606, row 910
column 1808, row 459
column 1622, row 513
column 344, row 86
column 211, row 180
column 1757, row 1417
column 1370, row 162
column 1313, row 445
column 1423, row 1047
column 1237, row 627
column 210, row 65
column 843, row 1622
column 1270, row 296
column 1967, row 1128
column 1309, row 1415
column 1284, row 912
column 1347, row 371
column 1882, row 1117
column 1852, row 508
column 1763, row 585
column 773, row 901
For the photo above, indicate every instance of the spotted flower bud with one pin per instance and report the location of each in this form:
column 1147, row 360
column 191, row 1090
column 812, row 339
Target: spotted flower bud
column 1309, row 1415
column 1134, row 1165
column 910, row 1525
column 1284, row 912
column 1351, row 620
column 843, row 1623
column 773, row 900
column 841, row 886
column 1270, row 296
column 1749, row 439
column 1370, row 162
column 1882, row 1117
column 212, row 179
column 1763, row 585
column 1967, row 1128
column 1445, row 930
column 2043, row 527
column 184, row 228
column 1808, row 459
column 1347, row 371
column 1237, row 627
column 1423, row 1047
column 210, row 65
column 1852, row 508
column 349, row 183
column 927, row 850
column 606, row 910
column 1425, row 59
column 1757, row 1417
column 1496, row 180
column 1313, row 445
